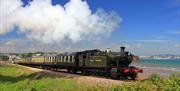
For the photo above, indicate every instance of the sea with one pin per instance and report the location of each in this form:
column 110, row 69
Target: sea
column 168, row 64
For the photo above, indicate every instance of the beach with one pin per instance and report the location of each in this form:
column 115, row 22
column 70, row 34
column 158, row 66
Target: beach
column 163, row 72
column 163, row 68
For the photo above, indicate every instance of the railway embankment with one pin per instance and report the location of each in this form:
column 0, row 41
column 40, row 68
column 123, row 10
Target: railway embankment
column 21, row 78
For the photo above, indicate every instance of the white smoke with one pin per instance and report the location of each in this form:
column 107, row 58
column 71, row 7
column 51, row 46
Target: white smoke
column 42, row 21
column 7, row 10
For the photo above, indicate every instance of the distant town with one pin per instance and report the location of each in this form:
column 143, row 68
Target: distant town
column 162, row 56
column 20, row 56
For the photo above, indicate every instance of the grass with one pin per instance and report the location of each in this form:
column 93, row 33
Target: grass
column 14, row 78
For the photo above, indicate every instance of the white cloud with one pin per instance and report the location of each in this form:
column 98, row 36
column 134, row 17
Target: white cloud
column 7, row 9
column 41, row 21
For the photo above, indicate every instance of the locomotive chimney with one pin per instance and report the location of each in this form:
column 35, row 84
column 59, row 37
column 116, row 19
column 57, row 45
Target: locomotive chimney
column 122, row 49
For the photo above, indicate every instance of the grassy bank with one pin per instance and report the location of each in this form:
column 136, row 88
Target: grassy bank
column 14, row 78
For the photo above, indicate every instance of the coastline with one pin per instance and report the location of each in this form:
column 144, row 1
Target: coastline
column 163, row 72
column 163, row 68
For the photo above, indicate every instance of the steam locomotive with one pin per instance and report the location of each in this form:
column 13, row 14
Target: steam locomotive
column 112, row 64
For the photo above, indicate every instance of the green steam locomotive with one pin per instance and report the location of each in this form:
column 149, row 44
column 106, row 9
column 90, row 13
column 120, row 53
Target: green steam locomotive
column 112, row 64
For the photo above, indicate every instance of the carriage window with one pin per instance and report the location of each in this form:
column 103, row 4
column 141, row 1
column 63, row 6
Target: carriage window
column 61, row 58
column 69, row 57
column 55, row 59
column 64, row 58
column 72, row 59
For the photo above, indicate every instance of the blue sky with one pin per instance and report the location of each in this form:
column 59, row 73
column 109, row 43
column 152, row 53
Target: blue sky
column 150, row 24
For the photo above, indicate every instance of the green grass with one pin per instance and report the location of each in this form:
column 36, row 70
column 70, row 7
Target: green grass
column 14, row 78
column 153, row 83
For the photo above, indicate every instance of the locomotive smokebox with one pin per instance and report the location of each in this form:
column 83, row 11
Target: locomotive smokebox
column 122, row 49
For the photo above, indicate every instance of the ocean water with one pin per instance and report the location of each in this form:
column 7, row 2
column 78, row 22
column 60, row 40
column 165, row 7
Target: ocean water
column 170, row 64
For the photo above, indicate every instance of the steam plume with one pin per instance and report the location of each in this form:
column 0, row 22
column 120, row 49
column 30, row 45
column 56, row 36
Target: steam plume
column 42, row 21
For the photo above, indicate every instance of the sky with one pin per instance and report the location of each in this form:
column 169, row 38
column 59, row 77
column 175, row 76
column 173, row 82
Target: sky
column 145, row 27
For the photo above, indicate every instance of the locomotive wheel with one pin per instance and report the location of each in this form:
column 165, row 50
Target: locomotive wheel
column 133, row 76
column 68, row 70
column 74, row 71
column 83, row 72
column 115, row 78
column 123, row 77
